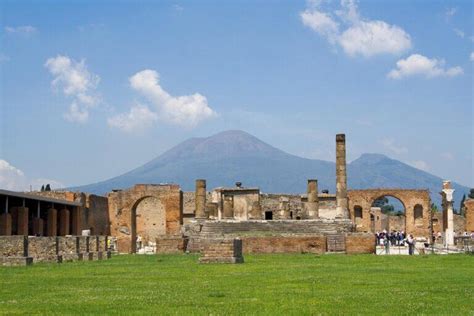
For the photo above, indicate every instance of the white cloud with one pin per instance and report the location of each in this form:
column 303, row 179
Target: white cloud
column 471, row 57
column 389, row 144
column 450, row 12
column 138, row 119
column 357, row 36
column 12, row 178
column 459, row 33
column 76, row 82
column 420, row 65
column 23, row 29
column 420, row 164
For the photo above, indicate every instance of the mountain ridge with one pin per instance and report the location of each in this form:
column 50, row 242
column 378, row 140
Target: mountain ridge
column 230, row 156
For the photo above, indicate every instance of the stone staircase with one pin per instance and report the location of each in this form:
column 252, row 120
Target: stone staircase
column 320, row 227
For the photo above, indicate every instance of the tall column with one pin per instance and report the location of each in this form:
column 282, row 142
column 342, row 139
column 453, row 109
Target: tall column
column 448, row 218
column 200, row 198
column 52, row 224
column 341, row 177
column 77, row 221
column 312, row 205
column 6, row 221
column 22, row 220
column 64, row 222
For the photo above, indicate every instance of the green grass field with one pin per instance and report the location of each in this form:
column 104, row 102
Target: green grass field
column 264, row 284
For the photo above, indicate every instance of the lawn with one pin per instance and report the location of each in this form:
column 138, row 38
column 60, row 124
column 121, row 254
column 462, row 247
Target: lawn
column 264, row 284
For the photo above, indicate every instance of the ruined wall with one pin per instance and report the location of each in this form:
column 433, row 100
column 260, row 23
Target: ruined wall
column 396, row 223
column 410, row 198
column 95, row 210
column 282, row 206
column 126, row 213
column 43, row 249
column 284, row 244
column 469, row 204
column 170, row 244
column 13, row 246
column 460, row 223
column 360, row 243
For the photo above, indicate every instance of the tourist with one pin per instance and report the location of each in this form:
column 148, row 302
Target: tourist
column 411, row 245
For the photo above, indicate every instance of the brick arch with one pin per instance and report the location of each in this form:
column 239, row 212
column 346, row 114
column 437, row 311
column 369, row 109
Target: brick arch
column 408, row 197
column 123, row 205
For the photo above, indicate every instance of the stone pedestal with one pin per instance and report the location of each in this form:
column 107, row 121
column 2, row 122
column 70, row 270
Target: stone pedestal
column 5, row 224
column 222, row 251
column 52, row 224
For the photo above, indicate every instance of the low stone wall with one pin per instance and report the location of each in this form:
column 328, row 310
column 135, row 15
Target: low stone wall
column 360, row 243
column 21, row 250
column 13, row 246
column 222, row 251
column 170, row 244
column 284, row 244
column 43, row 249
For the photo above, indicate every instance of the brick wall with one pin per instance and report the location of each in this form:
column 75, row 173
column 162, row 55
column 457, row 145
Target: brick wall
column 360, row 243
column 284, row 244
column 222, row 251
column 170, row 244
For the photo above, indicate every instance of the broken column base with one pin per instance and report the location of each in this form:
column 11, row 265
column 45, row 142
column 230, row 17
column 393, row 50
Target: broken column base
column 222, row 251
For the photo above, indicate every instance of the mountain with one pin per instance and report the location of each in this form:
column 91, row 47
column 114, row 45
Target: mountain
column 231, row 156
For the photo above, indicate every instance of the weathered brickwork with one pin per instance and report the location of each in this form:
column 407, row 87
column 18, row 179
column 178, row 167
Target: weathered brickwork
column 418, row 226
column 22, row 250
column 43, row 249
column 360, row 243
column 126, row 213
column 170, row 244
column 469, row 204
column 284, row 244
column 222, row 251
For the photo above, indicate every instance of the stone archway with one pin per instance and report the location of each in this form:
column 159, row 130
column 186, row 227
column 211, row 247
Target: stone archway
column 129, row 215
column 147, row 222
column 415, row 202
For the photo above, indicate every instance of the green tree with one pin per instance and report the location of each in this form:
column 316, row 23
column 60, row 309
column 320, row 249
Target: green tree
column 42, row 188
column 48, row 187
column 471, row 194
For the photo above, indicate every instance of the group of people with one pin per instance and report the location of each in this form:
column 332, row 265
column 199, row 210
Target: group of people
column 395, row 238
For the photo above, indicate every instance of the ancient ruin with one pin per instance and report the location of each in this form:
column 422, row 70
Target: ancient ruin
column 160, row 218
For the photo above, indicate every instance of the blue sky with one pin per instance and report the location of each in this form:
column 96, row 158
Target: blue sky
column 90, row 89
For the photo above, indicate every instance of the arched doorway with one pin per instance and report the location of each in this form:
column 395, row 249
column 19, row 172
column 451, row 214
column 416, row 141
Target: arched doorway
column 148, row 222
column 388, row 214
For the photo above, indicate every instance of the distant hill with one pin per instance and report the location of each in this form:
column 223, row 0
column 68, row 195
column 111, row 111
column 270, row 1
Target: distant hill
column 231, row 156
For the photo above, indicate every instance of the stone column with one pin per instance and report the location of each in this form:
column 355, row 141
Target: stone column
column 52, row 224
column 64, row 222
column 228, row 207
column 5, row 224
column 38, row 225
column 284, row 208
column 312, row 205
column 341, row 177
column 448, row 218
column 77, row 221
column 200, row 198
column 22, row 220
column 469, row 211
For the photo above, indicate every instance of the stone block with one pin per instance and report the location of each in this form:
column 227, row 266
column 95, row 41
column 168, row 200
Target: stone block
column 358, row 243
column 43, row 249
column 222, row 251
column 170, row 244
column 13, row 246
